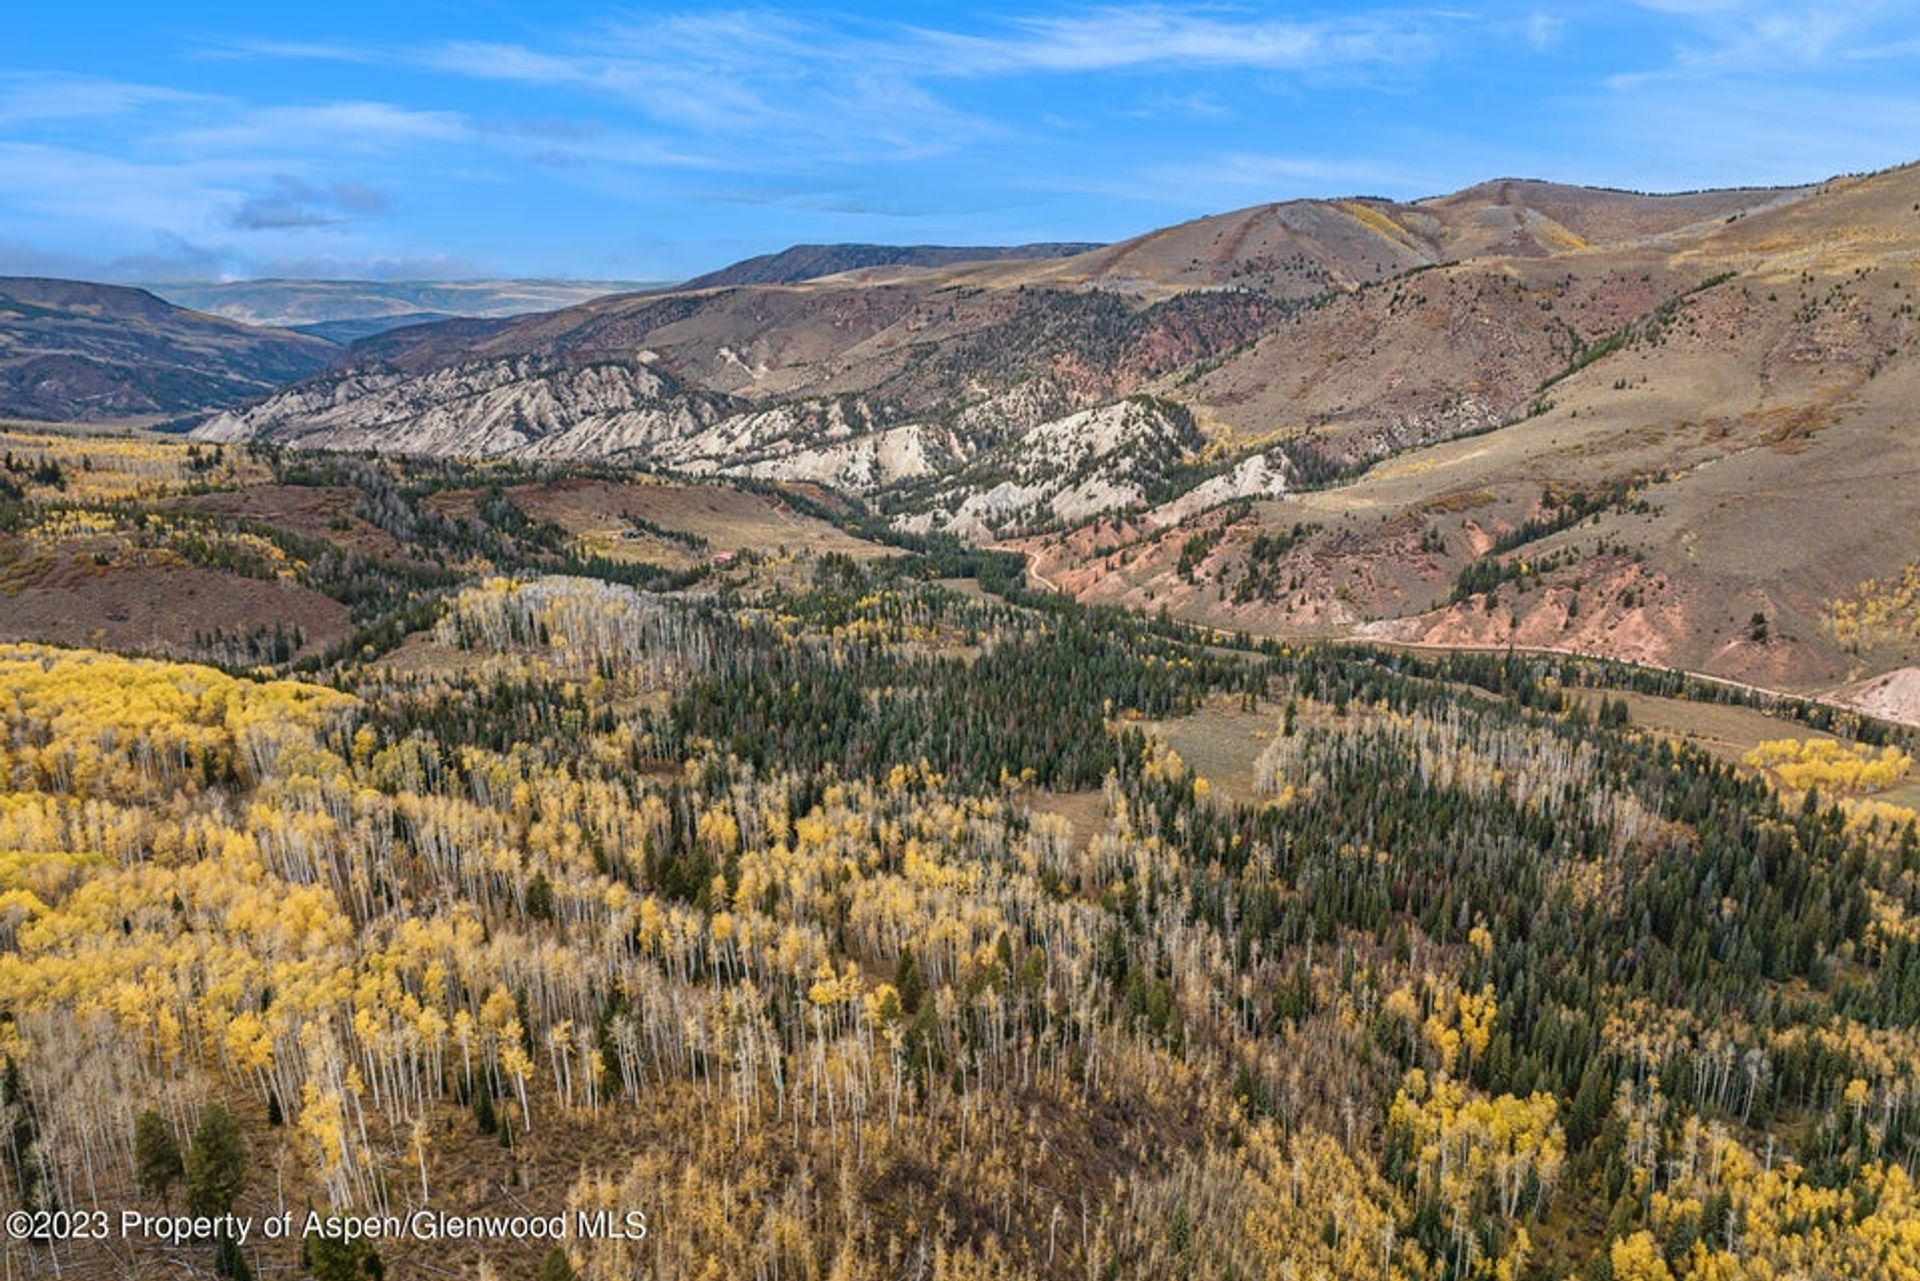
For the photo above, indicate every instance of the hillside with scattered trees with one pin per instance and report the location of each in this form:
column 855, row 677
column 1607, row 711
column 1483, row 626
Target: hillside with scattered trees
column 847, row 910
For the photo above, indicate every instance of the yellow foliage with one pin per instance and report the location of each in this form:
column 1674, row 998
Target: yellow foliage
column 1474, row 1151
column 1878, row 611
column 1638, row 1258
column 1375, row 221
column 1829, row 765
column 80, row 722
column 113, row 467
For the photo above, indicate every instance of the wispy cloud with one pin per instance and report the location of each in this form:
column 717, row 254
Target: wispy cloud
column 1881, row 51
column 191, row 220
column 782, row 81
column 1087, row 40
column 72, row 183
column 240, row 48
column 655, row 131
column 1543, row 31
column 837, row 88
column 223, row 180
column 1765, row 91
column 334, row 126
column 35, row 97
column 1727, row 37
column 1117, row 38
column 1200, row 104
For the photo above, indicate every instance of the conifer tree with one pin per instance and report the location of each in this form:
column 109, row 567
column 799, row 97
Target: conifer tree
column 156, row 1155
column 216, row 1166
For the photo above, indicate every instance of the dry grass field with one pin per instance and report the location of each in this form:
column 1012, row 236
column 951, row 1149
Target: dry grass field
column 1220, row 742
column 601, row 514
column 1731, row 733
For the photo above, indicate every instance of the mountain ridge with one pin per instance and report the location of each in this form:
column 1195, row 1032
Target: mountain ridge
column 1313, row 418
column 1454, row 367
column 82, row 351
column 812, row 261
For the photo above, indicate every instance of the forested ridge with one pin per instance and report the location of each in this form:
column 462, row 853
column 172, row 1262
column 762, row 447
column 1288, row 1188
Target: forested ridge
column 853, row 922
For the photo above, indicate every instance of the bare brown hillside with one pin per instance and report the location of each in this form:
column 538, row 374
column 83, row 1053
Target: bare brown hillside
column 1740, row 457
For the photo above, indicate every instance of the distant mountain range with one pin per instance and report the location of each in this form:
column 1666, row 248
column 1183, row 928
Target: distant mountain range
column 1523, row 413
column 295, row 303
column 70, row 350
column 943, row 362
column 345, row 310
column 351, row 329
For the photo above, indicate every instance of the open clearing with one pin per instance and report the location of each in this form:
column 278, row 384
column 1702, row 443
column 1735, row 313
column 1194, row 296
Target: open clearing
column 159, row 608
column 1085, row 812
column 601, row 513
column 1731, row 732
column 1726, row 731
column 1220, row 742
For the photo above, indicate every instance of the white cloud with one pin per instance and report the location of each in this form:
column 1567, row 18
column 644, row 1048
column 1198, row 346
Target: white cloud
column 490, row 61
column 188, row 210
column 1200, row 104
column 793, row 88
column 1761, row 92
column 67, row 183
column 844, row 112
column 1118, row 38
column 1727, row 37
column 810, row 89
column 155, row 221
column 31, row 97
column 334, row 126
column 1543, row 31
column 244, row 48
column 95, row 166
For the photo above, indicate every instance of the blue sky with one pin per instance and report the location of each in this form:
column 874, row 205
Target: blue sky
column 152, row 141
